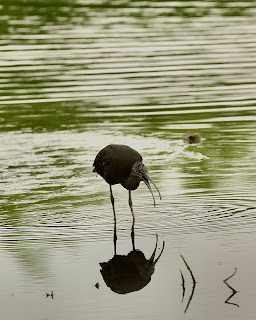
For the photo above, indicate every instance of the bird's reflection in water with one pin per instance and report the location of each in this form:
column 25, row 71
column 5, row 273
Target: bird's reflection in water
column 131, row 272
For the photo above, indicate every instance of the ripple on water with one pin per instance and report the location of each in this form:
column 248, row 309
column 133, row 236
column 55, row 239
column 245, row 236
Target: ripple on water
column 210, row 213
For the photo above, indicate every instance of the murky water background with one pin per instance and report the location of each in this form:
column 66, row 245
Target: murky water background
column 78, row 75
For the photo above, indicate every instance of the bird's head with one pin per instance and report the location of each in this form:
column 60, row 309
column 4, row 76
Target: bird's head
column 141, row 171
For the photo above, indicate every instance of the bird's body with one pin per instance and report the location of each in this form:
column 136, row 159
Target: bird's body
column 114, row 163
column 118, row 163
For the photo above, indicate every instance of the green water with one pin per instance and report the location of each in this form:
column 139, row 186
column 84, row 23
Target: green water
column 78, row 75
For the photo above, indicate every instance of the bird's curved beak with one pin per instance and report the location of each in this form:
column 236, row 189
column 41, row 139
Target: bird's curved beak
column 146, row 178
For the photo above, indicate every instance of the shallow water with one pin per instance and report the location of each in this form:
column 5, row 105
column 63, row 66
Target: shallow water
column 78, row 75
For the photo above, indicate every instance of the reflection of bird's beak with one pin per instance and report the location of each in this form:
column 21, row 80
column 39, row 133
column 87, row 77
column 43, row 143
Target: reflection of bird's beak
column 151, row 260
column 146, row 178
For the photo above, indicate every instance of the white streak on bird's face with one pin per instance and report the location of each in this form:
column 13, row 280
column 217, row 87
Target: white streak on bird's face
column 141, row 171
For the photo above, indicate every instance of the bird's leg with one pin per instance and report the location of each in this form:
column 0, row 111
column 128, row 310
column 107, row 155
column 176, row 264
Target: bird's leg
column 113, row 203
column 113, row 206
column 130, row 204
column 133, row 216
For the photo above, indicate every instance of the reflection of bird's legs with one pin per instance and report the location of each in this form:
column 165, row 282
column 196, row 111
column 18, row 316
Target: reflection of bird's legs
column 115, row 239
column 133, row 218
column 133, row 236
column 133, row 240
column 113, row 206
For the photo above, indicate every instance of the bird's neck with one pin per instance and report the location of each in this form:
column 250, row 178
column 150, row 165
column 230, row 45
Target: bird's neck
column 131, row 183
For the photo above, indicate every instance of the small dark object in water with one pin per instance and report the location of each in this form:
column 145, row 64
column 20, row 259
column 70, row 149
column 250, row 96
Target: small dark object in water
column 97, row 285
column 49, row 294
column 193, row 138
column 118, row 163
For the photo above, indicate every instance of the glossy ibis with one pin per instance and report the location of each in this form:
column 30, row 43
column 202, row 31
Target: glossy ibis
column 118, row 163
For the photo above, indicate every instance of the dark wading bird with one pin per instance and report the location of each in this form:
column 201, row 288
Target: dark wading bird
column 118, row 163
